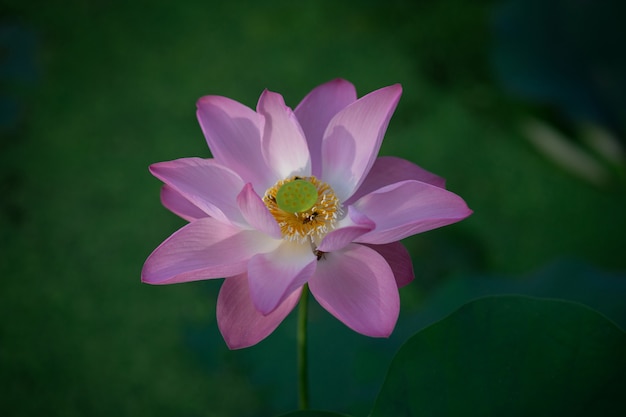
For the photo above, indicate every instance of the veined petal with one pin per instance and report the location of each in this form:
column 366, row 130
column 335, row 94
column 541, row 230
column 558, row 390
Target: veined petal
column 317, row 109
column 407, row 208
column 349, row 228
column 206, row 184
column 204, row 249
column 179, row 205
column 388, row 170
column 284, row 146
column 398, row 259
column 239, row 321
column 353, row 138
column 256, row 213
column 233, row 133
column 356, row 285
column 273, row 276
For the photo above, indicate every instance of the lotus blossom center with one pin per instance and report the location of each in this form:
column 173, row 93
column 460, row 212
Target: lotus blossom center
column 296, row 196
column 305, row 208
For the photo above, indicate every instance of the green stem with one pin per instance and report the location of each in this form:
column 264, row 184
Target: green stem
column 303, row 373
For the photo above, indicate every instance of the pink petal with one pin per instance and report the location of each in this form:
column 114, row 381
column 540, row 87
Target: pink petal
column 179, row 205
column 317, row 109
column 233, row 133
column 407, row 208
column 206, row 184
column 399, row 260
column 204, row 249
column 239, row 321
column 283, row 144
column 389, row 170
column 356, row 285
column 256, row 213
column 352, row 226
column 275, row 275
column 353, row 138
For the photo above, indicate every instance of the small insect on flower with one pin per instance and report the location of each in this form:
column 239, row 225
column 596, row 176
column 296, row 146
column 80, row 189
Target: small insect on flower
column 286, row 189
column 311, row 217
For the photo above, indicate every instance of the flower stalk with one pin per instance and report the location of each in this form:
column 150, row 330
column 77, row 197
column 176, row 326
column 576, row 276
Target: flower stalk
column 301, row 339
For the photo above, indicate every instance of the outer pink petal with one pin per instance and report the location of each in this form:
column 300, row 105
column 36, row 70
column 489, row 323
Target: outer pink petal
column 204, row 249
column 354, row 225
column 356, row 285
column 179, row 205
column 206, row 184
column 317, row 109
column 399, row 260
column 353, row 138
column 407, row 208
column 256, row 213
column 389, row 170
column 239, row 321
column 233, row 133
column 283, row 143
column 275, row 275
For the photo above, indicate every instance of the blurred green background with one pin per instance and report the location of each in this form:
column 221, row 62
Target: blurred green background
column 95, row 91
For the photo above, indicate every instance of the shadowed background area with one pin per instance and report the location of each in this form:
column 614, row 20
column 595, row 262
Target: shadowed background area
column 95, row 91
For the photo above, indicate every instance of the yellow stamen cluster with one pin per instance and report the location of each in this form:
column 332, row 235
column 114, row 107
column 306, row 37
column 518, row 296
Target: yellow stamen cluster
column 312, row 223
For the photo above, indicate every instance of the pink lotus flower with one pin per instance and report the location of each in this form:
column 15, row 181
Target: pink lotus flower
column 295, row 197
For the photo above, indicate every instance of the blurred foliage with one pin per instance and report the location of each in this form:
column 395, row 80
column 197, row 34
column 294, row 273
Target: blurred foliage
column 110, row 87
column 565, row 60
column 568, row 54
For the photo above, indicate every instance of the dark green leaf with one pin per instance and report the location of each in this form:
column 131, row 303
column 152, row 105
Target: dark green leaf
column 508, row 356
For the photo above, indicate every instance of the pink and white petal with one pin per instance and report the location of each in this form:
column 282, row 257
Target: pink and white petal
column 179, row 205
column 206, row 184
column 256, row 213
column 399, row 260
column 356, row 285
column 273, row 276
column 233, row 132
column 349, row 228
column 407, row 208
column 284, row 146
column 388, row 170
column 317, row 109
column 239, row 321
column 204, row 249
column 353, row 138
